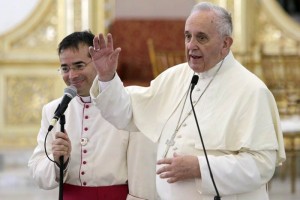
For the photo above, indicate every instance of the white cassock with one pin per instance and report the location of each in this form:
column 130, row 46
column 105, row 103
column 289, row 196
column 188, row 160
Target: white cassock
column 237, row 116
column 101, row 154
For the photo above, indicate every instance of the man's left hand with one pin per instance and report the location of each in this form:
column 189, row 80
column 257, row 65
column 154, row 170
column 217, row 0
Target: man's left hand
column 180, row 167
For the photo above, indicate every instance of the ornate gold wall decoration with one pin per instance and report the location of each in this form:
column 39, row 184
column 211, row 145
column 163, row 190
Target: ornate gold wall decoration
column 273, row 40
column 28, row 76
column 281, row 19
column 25, row 96
column 23, row 93
column 42, row 36
column 35, row 39
column 279, row 50
column 77, row 16
column 277, row 32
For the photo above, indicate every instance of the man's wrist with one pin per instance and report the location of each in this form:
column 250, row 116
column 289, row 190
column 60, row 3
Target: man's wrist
column 106, row 78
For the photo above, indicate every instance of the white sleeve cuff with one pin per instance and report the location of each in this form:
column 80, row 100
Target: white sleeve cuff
column 103, row 85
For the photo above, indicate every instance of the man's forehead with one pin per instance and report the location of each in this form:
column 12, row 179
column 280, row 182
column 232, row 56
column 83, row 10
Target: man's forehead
column 201, row 20
column 205, row 16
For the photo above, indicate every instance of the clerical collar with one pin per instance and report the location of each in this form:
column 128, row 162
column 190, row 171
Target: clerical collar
column 211, row 72
column 85, row 99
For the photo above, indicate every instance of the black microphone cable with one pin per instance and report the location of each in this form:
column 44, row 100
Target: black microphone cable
column 69, row 93
column 193, row 83
column 45, row 149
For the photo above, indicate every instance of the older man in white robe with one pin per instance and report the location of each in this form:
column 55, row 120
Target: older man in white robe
column 237, row 115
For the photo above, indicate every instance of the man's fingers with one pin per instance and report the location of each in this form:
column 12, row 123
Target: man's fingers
column 172, row 180
column 115, row 54
column 110, row 43
column 102, row 42
column 92, row 51
column 164, row 161
column 60, row 150
column 96, row 43
column 163, row 169
column 61, row 135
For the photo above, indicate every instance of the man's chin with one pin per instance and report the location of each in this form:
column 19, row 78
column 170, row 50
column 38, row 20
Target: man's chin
column 197, row 67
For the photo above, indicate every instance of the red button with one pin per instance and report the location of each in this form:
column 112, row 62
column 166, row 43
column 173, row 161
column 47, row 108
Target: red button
column 87, row 106
column 84, row 151
column 82, row 173
column 84, row 183
column 86, row 128
column 84, row 162
column 86, row 117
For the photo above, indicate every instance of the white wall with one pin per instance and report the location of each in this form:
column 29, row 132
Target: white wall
column 13, row 12
column 162, row 9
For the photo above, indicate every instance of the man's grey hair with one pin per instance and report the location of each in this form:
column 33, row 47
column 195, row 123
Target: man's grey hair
column 224, row 24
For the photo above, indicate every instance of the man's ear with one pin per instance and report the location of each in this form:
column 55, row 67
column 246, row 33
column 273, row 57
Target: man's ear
column 227, row 42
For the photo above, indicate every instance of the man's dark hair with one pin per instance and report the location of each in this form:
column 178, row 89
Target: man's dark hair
column 75, row 39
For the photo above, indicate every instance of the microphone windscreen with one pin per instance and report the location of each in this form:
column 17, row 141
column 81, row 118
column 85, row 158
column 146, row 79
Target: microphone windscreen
column 195, row 80
column 71, row 91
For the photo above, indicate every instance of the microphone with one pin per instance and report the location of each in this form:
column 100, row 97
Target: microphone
column 193, row 83
column 70, row 92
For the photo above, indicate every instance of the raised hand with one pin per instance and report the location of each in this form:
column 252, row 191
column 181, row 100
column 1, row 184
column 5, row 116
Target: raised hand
column 105, row 57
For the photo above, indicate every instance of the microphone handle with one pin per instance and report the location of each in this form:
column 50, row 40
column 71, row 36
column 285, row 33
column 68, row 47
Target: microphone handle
column 204, row 150
column 62, row 122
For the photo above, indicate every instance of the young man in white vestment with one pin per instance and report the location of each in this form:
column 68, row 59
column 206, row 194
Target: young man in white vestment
column 101, row 162
column 237, row 115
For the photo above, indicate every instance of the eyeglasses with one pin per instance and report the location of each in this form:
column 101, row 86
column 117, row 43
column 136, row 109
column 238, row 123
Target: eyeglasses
column 78, row 66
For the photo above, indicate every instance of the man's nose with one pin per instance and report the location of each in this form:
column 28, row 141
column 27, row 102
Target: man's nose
column 73, row 72
column 192, row 44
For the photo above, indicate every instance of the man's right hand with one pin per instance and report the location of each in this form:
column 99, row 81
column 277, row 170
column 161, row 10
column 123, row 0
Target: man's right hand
column 61, row 146
column 105, row 57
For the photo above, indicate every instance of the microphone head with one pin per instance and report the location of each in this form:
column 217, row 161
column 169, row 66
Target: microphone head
column 195, row 80
column 70, row 91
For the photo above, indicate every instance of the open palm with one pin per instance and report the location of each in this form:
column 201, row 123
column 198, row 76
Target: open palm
column 105, row 57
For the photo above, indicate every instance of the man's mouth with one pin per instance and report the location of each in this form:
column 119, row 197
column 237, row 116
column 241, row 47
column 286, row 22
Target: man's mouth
column 195, row 56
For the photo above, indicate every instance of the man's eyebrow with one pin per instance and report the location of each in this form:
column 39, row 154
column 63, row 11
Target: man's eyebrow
column 78, row 62
column 74, row 63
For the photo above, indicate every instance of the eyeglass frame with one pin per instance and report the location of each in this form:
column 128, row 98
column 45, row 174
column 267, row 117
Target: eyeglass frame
column 77, row 66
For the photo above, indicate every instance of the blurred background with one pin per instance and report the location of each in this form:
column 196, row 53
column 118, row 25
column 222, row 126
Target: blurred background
column 150, row 33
